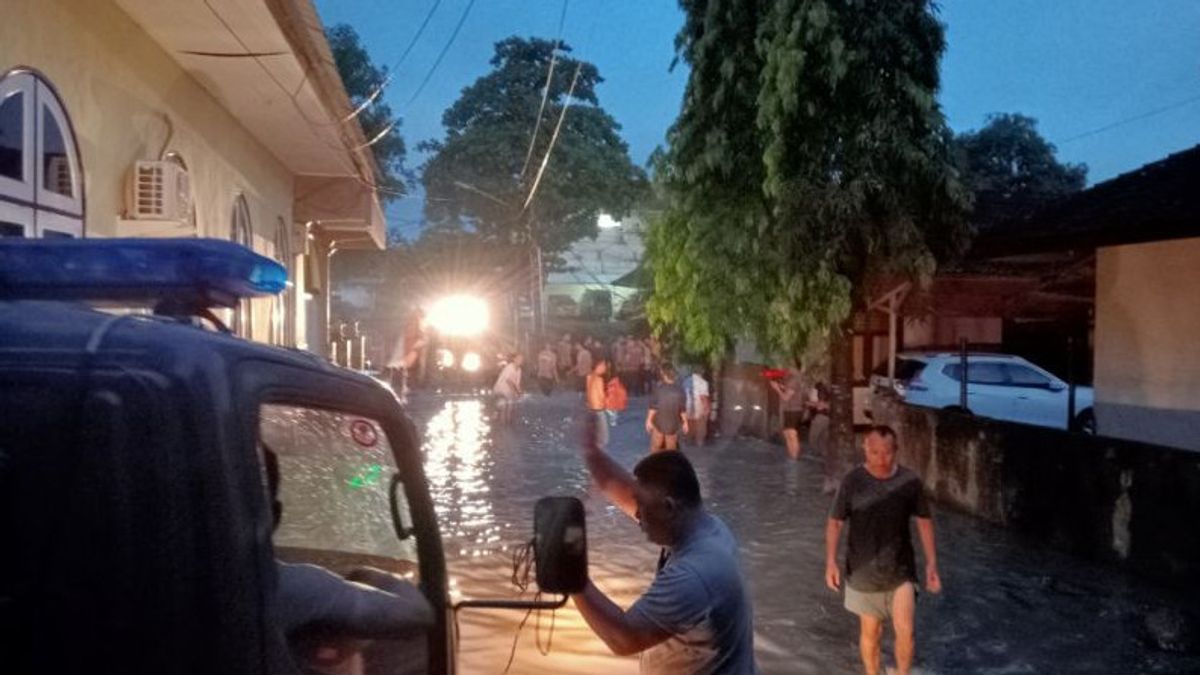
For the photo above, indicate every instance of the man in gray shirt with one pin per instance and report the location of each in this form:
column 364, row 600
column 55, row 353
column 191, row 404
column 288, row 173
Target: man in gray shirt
column 696, row 617
column 667, row 414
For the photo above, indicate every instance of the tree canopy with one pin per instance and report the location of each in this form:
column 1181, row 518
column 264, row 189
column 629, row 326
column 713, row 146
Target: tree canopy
column 480, row 175
column 1011, row 169
column 362, row 78
column 810, row 156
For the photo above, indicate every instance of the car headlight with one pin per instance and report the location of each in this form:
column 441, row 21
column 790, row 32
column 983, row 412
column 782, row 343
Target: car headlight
column 471, row 362
column 445, row 358
column 461, row 315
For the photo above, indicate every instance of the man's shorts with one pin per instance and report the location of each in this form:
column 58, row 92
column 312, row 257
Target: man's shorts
column 873, row 603
column 793, row 419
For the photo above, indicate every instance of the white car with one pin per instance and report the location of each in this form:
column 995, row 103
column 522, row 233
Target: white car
column 1000, row 386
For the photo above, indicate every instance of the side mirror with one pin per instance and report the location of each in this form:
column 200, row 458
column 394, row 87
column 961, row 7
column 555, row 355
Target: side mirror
column 1056, row 385
column 560, row 545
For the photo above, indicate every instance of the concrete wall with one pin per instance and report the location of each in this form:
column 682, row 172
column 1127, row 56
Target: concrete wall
column 117, row 85
column 1106, row 499
column 1147, row 368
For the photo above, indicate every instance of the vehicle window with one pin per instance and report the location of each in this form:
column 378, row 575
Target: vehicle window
column 906, row 369
column 1024, row 376
column 977, row 373
column 12, row 129
column 335, row 476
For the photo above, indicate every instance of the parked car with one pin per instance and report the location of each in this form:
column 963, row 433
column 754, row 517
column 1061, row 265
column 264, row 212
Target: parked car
column 1001, row 386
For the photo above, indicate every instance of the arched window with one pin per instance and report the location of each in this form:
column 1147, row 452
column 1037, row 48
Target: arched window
column 41, row 177
column 240, row 232
column 282, row 323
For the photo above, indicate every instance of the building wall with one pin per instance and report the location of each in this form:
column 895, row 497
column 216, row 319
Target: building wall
column 118, row 87
column 1107, row 499
column 1147, row 364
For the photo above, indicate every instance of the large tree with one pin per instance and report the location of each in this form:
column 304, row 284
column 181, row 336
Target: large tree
column 364, row 81
column 1012, row 169
column 810, row 158
column 481, row 174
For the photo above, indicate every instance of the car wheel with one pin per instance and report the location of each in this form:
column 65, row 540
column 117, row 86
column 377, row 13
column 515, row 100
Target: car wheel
column 1085, row 422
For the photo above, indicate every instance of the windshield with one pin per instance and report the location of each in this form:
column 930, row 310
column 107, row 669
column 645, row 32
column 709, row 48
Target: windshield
column 335, row 473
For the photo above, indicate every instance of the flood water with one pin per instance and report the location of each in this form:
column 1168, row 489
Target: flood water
column 1008, row 606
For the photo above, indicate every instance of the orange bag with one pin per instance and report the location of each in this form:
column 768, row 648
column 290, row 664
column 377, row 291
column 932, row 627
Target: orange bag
column 615, row 396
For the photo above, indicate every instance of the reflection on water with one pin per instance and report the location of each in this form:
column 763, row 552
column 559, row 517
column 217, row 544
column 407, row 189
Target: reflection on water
column 458, row 463
column 485, row 481
column 1004, row 610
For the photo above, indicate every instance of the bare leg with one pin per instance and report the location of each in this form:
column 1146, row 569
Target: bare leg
column 792, row 438
column 870, row 635
column 903, row 609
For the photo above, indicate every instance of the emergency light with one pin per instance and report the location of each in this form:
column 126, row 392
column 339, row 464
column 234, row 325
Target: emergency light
column 191, row 272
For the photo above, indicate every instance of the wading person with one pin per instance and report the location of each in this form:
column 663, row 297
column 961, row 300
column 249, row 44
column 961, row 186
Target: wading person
column 793, row 399
column 596, row 398
column 699, row 405
column 818, row 434
column 547, row 369
column 407, row 353
column 696, row 617
column 583, row 366
column 668, row 413
column 877, row 500
column 508, row 388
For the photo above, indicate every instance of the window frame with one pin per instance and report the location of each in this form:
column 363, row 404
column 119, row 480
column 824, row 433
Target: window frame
column 282, row 312
column 241, row 231
column 29, row 198
column 13, row 83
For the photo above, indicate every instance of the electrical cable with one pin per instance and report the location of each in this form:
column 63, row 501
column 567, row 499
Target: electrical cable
column 437, row 62
column 396, row 66
column 537, row 125
column 1128, row 120
column 537, row 181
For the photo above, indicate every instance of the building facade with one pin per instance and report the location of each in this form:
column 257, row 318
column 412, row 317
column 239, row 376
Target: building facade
column 234, row 106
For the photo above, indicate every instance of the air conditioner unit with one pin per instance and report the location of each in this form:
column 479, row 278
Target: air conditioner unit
column 159, row 190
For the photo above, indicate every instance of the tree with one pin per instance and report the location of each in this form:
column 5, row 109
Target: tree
column 479, row 176
column 362, row 79
column 1011, row 169
column 810, row 158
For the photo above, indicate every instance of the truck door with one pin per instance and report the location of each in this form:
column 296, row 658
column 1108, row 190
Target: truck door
column 336, row 498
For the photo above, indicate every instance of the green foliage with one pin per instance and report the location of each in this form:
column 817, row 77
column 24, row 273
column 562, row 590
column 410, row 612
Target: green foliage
column 361, row 78
column 809, row 158
column 474, row 176
column 1010, row 159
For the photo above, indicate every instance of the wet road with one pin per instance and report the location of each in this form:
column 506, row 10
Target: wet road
column 1009, row 607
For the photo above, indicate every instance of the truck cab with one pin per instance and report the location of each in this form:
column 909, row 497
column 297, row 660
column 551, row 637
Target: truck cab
column 138, row 530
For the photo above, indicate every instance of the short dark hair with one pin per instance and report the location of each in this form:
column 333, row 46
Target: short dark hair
column 667, row 370
column 884, row 431
column 673, row 473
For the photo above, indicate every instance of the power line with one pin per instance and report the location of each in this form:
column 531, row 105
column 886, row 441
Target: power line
column 1128, row 120
column 395, row 67
column 537, row 125
column 453, row 36
column 553, row 139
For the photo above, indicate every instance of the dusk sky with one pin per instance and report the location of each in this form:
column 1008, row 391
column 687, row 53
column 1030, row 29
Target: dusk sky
column 1114, row 84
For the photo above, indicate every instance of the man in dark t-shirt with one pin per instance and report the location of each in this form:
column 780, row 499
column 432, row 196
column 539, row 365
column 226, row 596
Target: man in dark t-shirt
column 668, row 412
column 878, row 499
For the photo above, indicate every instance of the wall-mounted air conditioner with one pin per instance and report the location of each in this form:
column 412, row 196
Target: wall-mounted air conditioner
column 159, row 190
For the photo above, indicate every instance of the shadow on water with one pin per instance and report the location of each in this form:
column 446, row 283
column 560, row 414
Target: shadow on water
column 1009, row 607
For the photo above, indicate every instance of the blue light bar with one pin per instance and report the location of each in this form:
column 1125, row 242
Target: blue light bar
column 197, row 272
